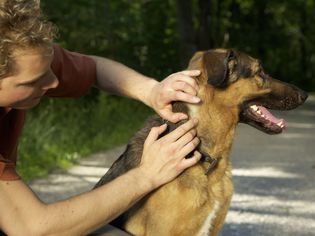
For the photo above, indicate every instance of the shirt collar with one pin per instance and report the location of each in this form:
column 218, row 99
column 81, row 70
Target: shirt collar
column 4, row 111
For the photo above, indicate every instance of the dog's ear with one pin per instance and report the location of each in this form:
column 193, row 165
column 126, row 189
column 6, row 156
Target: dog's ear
column 217, row 65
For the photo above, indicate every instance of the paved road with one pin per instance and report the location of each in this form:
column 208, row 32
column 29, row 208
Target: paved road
column 274, row 178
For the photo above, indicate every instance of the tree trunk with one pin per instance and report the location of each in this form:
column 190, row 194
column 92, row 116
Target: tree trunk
column 204, row 36
column 303, row 51
column 186, row 30
column 231, row 32
column 261, row 25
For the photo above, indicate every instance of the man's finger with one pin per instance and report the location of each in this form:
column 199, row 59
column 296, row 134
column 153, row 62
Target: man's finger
column 190, row 72
column 181, row 130
column 186, row 139
column 173, row 117
column 185, row 87
column 191, row 161
column 189, row 147
column 185, row 78
column 155, row 133
column 184, row 97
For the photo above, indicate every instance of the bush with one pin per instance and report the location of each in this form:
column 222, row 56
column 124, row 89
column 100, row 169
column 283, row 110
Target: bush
column 59, row 131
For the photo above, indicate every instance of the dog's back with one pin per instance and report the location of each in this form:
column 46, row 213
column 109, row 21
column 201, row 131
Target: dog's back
column 132, row 155
column 129, row 159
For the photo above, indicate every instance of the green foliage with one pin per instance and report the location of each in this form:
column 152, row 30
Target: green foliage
column 145, row 35
column 58, row 132
column 141, row 34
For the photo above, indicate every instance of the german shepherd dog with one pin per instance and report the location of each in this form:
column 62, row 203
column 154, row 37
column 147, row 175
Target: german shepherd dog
column 233, row 88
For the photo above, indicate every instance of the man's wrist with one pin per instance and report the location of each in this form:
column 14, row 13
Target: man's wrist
column 144, row 182
column 146, row 95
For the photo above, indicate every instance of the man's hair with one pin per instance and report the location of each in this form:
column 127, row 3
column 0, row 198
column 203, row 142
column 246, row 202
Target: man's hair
column 22, row 26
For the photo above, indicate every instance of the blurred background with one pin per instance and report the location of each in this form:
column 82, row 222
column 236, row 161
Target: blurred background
column 157, row 38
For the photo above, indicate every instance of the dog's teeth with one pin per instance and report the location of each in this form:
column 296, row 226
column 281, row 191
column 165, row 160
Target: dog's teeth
column 259, row 112
column 280, row 124
column 263, row 116
column 254, row 107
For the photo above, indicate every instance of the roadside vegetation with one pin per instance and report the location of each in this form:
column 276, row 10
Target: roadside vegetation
column 156, row 38
column 58, row 132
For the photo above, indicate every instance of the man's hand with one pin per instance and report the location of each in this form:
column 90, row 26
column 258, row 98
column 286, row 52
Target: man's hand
column 117, row 78
column 163, row 159
column 176, row 87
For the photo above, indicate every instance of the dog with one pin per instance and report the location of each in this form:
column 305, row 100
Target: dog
column 233, row 88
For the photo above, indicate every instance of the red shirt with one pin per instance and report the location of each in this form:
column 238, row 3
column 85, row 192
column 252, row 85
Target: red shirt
column 76, row 74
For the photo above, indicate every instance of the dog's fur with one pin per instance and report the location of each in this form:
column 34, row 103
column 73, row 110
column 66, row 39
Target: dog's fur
column 196, row 203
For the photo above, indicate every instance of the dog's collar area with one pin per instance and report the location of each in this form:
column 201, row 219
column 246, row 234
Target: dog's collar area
column 213, row 161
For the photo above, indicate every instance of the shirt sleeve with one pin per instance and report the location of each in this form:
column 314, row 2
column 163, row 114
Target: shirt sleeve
column 10, row 129
column 7, row 170
column 76, row 73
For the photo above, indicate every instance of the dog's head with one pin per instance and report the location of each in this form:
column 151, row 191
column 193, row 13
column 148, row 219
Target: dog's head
column 238, row 82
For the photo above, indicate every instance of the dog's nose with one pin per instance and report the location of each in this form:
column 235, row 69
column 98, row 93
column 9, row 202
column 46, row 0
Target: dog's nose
column 302, row 96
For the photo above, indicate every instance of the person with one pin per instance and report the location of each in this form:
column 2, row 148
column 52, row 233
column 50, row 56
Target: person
column 31, row 67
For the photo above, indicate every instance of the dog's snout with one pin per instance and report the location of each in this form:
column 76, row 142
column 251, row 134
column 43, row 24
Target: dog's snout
column 302, row 96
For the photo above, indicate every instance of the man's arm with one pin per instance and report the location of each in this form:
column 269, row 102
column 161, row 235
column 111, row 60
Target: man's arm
column 117, row 78
column 22, row 213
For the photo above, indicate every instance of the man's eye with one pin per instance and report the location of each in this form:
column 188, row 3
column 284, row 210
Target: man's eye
column 30, row 84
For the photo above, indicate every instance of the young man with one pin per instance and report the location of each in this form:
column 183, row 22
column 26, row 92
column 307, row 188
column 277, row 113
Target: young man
column 32, row 67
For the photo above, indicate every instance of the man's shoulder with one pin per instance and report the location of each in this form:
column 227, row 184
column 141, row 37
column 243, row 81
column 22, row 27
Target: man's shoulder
column 76, row 73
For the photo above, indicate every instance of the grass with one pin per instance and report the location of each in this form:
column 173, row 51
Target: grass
column 58, row 132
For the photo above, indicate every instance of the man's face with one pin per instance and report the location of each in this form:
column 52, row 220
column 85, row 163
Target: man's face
column 31, row 79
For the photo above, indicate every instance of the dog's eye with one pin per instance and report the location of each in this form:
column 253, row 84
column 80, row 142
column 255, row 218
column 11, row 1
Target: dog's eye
column 262, row 77
column 262, row 74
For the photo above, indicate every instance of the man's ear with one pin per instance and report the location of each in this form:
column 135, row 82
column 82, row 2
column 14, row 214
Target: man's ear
column 216, row 64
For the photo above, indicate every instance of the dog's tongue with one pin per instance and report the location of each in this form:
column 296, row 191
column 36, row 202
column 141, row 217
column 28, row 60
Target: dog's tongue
column 270, row 117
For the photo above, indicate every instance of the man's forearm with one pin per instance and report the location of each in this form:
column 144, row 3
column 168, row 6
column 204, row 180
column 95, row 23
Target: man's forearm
column 102, row 205
column 75, row 216
column 117, row 78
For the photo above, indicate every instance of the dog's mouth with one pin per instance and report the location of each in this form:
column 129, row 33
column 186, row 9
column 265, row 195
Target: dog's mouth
column 261, row 118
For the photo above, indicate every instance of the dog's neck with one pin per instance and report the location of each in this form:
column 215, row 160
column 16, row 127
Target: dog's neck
column 216, row 127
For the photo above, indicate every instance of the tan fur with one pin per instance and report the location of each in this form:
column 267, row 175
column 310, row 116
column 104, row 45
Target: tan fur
column 182, row 206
